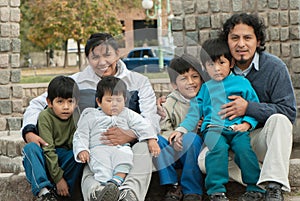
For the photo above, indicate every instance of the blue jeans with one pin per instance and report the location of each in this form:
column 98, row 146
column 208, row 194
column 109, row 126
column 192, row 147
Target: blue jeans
column 37, row 173
column 169, row 160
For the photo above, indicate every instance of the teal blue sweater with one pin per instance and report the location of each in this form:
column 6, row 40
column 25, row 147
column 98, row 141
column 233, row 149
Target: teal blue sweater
column 213, row 94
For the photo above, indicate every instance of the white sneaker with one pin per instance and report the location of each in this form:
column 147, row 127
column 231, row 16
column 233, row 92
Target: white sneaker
column 127, row 195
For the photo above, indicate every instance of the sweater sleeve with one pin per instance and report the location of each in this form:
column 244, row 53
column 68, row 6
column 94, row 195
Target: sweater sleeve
column 251, row 96
column 45, row 126
column 276, row 94
column 147, row 102
column 142, row 128
column 194, row 113
column 82, row 135
column 168, row 124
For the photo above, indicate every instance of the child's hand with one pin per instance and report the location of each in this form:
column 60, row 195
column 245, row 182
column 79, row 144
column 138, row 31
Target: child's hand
column 84, row 156
column 175, row 139
column 160, row 109
column 62, row 188
column 199, row 123
column 242, row 127
column 153, row 147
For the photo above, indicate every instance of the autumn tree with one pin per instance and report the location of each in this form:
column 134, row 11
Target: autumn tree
column 51, row 22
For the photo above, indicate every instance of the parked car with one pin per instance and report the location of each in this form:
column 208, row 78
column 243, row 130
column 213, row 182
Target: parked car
column 146, row 59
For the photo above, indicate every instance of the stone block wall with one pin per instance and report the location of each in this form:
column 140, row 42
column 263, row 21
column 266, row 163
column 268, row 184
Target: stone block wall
column 196, row 20
column 10, row 45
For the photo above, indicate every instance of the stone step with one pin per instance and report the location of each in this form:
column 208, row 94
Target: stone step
column 14, row 187
column 11, row 145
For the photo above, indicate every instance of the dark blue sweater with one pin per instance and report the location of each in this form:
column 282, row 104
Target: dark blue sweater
column 274, row 88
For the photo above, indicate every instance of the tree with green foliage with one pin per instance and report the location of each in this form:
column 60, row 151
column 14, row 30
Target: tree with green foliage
column 47, row 24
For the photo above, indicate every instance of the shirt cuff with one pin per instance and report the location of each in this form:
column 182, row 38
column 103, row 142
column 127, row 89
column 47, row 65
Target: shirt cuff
column 29, row 128
column 181, row 129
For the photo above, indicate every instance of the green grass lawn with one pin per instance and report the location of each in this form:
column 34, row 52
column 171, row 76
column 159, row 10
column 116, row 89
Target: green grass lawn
column 47, row 78
column 36, row 79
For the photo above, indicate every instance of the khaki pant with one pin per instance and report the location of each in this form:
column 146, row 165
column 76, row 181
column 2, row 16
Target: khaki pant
column 138, row 178
column 272, row 145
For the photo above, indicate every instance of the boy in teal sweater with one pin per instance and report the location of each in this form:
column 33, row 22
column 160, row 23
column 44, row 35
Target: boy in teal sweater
column 220, row 135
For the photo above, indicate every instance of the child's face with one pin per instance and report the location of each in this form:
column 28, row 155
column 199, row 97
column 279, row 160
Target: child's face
column 188, row 84
column 62, row 107
column 218, row 69
column 112, row 104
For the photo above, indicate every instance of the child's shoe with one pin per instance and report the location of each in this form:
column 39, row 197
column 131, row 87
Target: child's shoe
column 218, row 197
column 174, row 193
column 48, row 197
column 110, row 192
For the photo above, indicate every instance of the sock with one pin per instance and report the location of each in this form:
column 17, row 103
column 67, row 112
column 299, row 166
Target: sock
column 175, row 184
column 43, row 191
column 274, row 185
column 117, row 180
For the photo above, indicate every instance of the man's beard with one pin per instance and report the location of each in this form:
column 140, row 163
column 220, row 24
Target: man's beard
column 241, row 61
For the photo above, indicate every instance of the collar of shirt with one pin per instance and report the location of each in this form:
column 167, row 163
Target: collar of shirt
column 254, row 63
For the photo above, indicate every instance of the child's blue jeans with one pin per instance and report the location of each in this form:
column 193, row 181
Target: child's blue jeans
column 36, row 171
column 169, row 160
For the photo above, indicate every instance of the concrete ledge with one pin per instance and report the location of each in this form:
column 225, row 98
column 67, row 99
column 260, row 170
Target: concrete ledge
column 15, row 187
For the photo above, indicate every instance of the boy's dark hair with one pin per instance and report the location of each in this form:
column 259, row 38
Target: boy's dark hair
column 63, row 87
column 100, row 39
column 182, row 64
column 213, row 49
column 251, row 20
column 112, row 85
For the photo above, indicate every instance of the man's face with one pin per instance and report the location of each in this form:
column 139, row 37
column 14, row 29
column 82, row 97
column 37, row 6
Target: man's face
column 242, row 42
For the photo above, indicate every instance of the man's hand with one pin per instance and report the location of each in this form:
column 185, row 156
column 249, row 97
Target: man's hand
column 236, row 108
column 32, row 137
column 160, row 109
column 62, row 188
column 84, row 156
column 117, row 136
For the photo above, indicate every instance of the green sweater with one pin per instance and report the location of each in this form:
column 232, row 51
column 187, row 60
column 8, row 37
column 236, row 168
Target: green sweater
column 58, row 134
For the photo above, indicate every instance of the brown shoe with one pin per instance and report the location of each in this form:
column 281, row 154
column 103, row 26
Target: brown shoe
column 192, row 197
column 173, row 193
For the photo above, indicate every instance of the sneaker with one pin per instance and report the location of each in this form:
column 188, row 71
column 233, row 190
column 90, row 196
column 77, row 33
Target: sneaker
column 252, row 196
column 110, row 192
column 218, row 197
column 274, row 192
column 127, row 195
column 173, row 193
column 47, row 197
column 192, row 197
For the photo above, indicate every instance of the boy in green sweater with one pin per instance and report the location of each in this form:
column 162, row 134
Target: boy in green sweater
column 55, row 172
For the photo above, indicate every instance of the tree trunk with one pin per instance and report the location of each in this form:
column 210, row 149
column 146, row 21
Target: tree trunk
column 79, row 54
column 66, row 54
